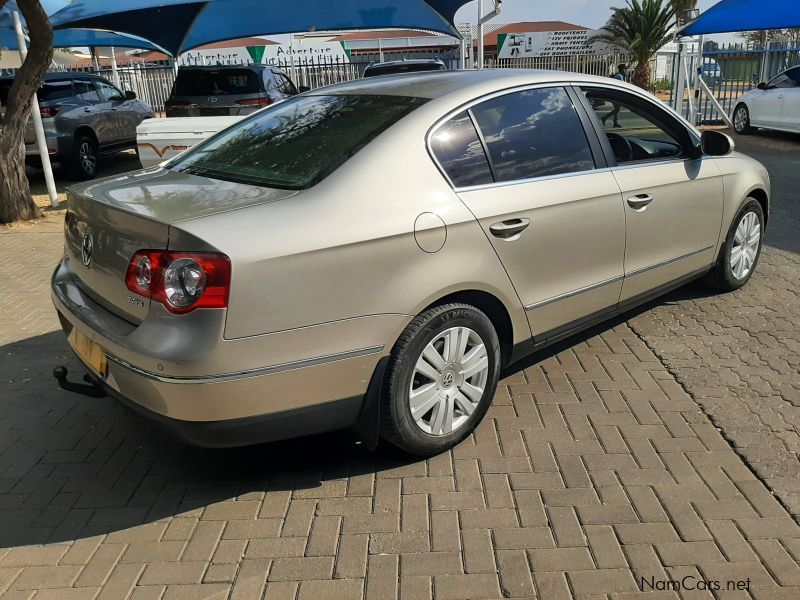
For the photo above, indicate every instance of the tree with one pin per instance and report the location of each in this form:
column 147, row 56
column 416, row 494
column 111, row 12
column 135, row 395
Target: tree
column 641, row 28
column 760, row 38
column 681, row 6
column 16, row 203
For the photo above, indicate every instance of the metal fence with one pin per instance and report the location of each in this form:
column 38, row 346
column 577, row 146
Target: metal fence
column 730, row 70
column 603, row 65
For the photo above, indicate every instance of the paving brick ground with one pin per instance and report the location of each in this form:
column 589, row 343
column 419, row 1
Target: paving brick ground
column 738, row 354
column 594, row 475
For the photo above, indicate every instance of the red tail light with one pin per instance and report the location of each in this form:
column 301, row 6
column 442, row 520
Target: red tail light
column 181, row 281
column 255, row 102
column 48, row 111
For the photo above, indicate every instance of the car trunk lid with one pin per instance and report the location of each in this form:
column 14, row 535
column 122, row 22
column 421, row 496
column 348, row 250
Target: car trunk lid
column 108, row 221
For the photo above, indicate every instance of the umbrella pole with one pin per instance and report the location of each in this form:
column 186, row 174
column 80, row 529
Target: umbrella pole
column 41, row 140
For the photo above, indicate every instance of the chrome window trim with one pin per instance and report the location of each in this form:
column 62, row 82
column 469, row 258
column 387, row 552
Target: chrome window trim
column 269, row 370
column 669, row 261
column 480, row 100
column 569, row 294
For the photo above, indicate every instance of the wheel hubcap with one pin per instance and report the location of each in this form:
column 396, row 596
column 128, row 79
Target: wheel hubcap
column 448, row 381
column 87, row 157
column 746, row 242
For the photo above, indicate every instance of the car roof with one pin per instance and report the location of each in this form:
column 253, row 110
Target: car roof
column 469, row 83
column 65, row 76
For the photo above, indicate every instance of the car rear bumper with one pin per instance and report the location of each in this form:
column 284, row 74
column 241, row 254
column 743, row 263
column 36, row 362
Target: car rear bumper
column 59, row 147
column 290, row 398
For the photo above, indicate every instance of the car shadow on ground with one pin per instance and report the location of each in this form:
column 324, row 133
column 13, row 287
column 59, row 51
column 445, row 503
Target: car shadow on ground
column 106, row 468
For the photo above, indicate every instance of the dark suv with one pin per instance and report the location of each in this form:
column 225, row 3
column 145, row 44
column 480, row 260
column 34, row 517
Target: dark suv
column 227, row 90
column 84, row 116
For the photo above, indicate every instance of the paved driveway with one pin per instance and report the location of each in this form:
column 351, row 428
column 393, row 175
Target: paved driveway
column 596, row 473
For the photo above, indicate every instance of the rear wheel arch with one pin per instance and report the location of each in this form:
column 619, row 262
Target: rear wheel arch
column 493, row 308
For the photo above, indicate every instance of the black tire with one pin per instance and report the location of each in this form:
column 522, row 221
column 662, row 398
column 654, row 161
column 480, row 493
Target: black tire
column 398, row 426
column 83, row 165
column 722, row 276
column 742, row 126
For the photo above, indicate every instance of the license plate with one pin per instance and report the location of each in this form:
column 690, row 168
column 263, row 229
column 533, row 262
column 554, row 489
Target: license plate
column 90, row 352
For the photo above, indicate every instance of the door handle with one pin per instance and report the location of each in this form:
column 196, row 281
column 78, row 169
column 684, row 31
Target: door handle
column 509, row 229
column 640, row 201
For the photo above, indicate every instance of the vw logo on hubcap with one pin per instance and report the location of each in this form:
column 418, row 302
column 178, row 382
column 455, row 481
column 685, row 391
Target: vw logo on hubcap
column 448, row 378
column 87, row 248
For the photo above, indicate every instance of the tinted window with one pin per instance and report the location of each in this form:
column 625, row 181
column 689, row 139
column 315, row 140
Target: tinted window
column 285, row 84
column 86, row 91
column 108, row 91
column 54, row 90
column 533, row 133
column 210, row 82
column 794, row 75
column 458, row 149
column 401, row 68
column 296, row 143
column 636, row 130
column 782, row 81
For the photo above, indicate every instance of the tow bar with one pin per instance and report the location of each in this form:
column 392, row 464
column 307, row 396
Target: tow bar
column 92, row 390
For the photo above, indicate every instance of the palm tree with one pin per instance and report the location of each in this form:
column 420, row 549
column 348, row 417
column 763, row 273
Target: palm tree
column 641, row 28
column 681, row 6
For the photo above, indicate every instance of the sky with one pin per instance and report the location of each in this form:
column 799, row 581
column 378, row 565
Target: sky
column 589, row 13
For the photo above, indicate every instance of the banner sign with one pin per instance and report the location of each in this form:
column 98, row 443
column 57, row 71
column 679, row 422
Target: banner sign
column 274, row 54
column 313, row 52
column 552, row 43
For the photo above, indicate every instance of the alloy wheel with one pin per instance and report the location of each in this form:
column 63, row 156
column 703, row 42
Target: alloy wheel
column 746, row 242
column 87, row 158
column 448, row 381
column 740, row 119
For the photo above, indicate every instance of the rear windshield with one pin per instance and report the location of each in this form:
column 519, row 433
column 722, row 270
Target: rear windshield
column 296, row 143
column 216, row 82
column 411, row 68
column 50, row 90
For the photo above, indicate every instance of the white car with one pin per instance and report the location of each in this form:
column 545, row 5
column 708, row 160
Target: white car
column 159, row 140
column 772, row 105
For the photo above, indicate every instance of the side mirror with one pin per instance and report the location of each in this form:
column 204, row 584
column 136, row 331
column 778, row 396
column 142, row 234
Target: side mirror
column 303, row 88
column 716, row 143
column 129, row 95
column 762, row 86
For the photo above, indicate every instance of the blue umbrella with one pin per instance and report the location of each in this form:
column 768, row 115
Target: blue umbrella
column 67, row 38
column 180, row 25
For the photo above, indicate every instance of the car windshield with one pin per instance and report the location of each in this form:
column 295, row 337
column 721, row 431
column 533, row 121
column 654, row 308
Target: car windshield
column 401, row 68
column 296, row 143
column 213, row 82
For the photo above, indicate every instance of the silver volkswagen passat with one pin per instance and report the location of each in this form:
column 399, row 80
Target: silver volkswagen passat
column 372, row 254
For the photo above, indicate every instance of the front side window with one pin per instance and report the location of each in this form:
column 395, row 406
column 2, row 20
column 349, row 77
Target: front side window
column 782, row 81
column 533, row 133
column 297, row 143
column 458, row 149
column 109, row 92
column 636, row 130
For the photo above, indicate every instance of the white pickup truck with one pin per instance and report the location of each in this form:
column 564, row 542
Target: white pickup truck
column 159, row 140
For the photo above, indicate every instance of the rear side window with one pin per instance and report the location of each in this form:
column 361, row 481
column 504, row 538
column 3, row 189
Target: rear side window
column 86, row 91
column 54, row 90
column 297, row 143
column 533, row 133
column 458, row 149
column 212, row 82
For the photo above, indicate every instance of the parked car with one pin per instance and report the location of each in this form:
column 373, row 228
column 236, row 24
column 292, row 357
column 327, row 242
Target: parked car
column 372, row 254
column 159, row 140
column 84, row 117
column 227, row 90
column 772, row 105
column 404, row 66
